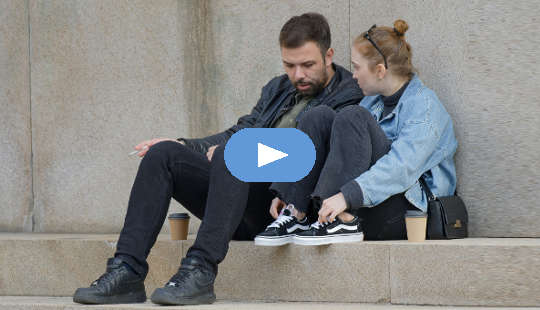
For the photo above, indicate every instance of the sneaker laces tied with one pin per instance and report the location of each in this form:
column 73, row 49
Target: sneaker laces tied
column 318, row 225
column 179, row 277
column 282, row 219
column 106, row 276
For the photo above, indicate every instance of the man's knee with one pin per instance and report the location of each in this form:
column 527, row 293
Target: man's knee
column 163, row 149
column 317, row 116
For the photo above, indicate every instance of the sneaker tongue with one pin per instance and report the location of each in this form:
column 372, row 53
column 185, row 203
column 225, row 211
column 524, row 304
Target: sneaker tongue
column 113, row 263
column 286, row 212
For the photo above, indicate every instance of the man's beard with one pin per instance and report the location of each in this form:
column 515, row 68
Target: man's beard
column 317, row 86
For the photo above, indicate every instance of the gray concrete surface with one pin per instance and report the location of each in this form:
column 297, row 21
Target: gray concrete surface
column 55, row 265
column 15, row 133
column 340, row 272
column 469, row 272
column 499, row 160
column 105, row 75
column 479, row 57
column 92, row 83
column 65, row 303
column 465, row 274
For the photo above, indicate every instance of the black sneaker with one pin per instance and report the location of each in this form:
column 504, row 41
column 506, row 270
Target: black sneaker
column 335, row 232
column 118, row 285
column 282, row 230
column 193, row 284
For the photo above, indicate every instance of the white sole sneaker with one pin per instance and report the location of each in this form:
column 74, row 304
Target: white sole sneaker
column 320, row 240
column 274, row 241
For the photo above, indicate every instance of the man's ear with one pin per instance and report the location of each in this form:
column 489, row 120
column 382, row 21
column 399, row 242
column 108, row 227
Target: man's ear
column 328, row 57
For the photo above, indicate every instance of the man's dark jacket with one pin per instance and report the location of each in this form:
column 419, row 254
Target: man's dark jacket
column 277, row 98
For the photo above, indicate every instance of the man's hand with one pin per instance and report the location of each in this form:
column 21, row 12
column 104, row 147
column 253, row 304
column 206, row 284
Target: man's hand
column 331, row 207
column 210, row 152
column 144, row 146
column 275, row 207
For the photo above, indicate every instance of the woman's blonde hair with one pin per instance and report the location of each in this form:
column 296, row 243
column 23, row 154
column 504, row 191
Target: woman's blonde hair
column 387, row 46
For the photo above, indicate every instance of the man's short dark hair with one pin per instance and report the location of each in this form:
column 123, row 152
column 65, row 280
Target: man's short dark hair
column 305, row 28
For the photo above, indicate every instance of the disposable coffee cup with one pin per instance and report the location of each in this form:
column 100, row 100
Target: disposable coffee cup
column 179, row 223
column 416, row 222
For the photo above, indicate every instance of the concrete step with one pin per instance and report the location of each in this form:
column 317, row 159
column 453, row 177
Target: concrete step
column 65, row 303
column 469, row 272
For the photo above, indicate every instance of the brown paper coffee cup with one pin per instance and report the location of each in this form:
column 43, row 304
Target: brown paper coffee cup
column 416, row 223
column 179, row 223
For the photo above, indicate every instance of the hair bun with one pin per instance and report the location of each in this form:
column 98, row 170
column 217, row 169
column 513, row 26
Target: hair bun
column 400, row 27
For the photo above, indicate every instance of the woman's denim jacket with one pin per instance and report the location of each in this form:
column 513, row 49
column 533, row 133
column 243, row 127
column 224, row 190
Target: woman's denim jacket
column 423, row 143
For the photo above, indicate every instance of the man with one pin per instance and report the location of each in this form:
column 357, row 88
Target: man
column 193, row 172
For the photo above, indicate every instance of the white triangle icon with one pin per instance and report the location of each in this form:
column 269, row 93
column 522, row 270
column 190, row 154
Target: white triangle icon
column 266, row 155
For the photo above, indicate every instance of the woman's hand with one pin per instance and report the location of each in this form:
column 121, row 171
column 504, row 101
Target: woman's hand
column 275, row 207
column 331, row 207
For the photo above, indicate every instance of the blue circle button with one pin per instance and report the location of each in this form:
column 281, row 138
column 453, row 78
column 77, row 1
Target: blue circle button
column 269, row 155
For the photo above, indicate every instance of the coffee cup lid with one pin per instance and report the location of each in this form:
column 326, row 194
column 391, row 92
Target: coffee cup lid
column 415, row 213
column 179, row 216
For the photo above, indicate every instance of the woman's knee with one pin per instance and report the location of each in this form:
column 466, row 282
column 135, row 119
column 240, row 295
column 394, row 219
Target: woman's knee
column 353, row 113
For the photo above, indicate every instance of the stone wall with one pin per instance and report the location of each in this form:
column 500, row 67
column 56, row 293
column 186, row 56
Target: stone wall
column 480, row 58
column 15, row 130
column 82, row 82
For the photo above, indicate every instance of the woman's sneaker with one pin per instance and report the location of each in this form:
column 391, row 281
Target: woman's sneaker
column 335, row 232
column 282, row 230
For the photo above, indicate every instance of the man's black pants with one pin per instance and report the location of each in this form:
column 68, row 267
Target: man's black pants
column 347, row 144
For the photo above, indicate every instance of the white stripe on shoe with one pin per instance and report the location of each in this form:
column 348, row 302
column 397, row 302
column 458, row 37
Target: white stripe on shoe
column 342, row 226
column 297, row 226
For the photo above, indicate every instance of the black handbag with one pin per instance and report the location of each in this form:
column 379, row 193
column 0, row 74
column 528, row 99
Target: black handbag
column 447, row 216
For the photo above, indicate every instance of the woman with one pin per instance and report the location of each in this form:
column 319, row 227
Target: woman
column 370, row 156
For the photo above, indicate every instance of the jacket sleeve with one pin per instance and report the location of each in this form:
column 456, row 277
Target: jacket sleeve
column 202, row 144
column 411, row 154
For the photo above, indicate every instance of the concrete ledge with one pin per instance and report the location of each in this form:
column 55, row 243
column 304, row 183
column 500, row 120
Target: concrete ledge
column 65, row 303
column 490, row 272
column 57, row 264
column 476, row 272
column 339, row 273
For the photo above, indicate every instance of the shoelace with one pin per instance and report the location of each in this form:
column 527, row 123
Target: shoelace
column 281, row 220
column 319, row 225
column 178, row 278
column 106, row 276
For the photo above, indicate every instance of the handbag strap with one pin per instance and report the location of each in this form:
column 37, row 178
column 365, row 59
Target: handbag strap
column 429, row 194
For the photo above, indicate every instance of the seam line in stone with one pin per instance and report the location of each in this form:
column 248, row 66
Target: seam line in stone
column 389, row 274
column 32, row 202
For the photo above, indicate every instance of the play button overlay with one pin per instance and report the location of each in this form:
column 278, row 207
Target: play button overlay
column 266, row 155
column 269, row 155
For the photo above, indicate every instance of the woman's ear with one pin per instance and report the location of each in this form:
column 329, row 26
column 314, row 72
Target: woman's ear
column 381, row 71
